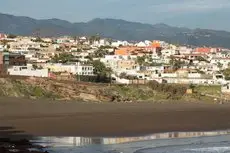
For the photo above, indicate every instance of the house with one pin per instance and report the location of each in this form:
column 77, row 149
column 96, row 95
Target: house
column 224, row 62
column 15, row 59
column 27, row 71
column 122, row 51
column 3, row 36
column 47, row 40
column 23, row 45
column 101, row 42
column 10, row 59
column 2, row 48
column 203, row 50
column 168, row 52
column 119, row 43
column 126, row 65
column 75, row 69
column 84, row 69
column 141, row 44
column 184, row 50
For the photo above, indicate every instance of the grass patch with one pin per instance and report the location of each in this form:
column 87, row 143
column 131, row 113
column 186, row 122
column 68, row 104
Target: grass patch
column 214, row 90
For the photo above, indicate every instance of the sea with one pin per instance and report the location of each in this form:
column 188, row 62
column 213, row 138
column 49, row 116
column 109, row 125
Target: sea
column 173, row 142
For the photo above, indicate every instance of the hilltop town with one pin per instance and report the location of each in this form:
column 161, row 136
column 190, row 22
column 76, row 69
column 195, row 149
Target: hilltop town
column 103, row 60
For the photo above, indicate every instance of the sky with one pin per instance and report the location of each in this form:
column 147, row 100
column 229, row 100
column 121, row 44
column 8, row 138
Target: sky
column 210, row 14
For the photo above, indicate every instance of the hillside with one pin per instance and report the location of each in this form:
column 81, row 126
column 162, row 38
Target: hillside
column 116, row 29
column 41, row 88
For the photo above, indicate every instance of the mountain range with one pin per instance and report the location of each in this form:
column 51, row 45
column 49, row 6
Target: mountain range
column 115, row 29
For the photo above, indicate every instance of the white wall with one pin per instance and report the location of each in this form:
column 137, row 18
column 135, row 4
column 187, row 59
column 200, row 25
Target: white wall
column 74, row 69
column 1, row 47
column 16, row 70
column 194, row 75
column 168, row 75
column 192, row 81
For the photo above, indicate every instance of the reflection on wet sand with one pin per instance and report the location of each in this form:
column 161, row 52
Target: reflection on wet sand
column 82, row 141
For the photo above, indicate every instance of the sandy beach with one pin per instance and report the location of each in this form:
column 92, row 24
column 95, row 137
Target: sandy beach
column 43, row 118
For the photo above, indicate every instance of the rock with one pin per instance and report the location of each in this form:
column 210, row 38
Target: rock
column 88, row 97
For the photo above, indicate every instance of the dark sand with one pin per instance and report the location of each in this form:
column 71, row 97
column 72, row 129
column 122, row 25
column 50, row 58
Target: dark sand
column 40, row 118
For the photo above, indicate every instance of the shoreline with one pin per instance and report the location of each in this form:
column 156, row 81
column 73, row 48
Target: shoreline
column 43, row 118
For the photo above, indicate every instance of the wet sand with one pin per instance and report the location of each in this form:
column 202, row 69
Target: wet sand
column 43, row 118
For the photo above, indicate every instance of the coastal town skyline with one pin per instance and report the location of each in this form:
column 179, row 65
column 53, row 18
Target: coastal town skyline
column 113, row 76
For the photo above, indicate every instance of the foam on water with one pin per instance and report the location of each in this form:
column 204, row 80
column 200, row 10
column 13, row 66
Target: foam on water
column 201, row 142
column 211, row 149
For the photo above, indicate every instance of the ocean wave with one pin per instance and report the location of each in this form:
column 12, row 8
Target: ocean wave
column 210, row 149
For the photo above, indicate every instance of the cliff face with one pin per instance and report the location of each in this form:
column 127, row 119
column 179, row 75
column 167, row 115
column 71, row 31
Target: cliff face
column 41, row 88
column 50, row 89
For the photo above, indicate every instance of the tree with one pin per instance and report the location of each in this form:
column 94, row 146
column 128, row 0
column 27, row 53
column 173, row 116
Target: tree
column 141, row 60
column 100, row 69
column 38, row 39
column 4, row 42
column 35, row 66
column 123, row 75
column 94, row 38
column 63, row 58
column 101, row 52
column 200, row 58
column 176, row 64
column 219, row 65
column 226, row 73
column 150, row 59
column 75, row 38
column 11, row 36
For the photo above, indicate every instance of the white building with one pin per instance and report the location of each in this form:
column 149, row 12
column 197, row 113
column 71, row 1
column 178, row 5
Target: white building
column 101, row 42
column 76, row 69
column 28, row 71
column 84, row 69
column 24, row 45
column 184, row 50
column 119, row 43
column 1, row 47
column 168, row 52
column 141, row 44
column 224, row 61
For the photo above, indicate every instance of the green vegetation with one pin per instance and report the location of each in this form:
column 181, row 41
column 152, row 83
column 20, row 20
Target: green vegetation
column 176, row 63
column 141, row 60
column 213, row 90
column 62, row 58
column 123, row 75
column 226, row 73
column 19, row 89
column 219, row 65
column 151, row 92
column 100, row 53
column 94, row 79
column 94, row 38
column 200, row 58
column 131, row 92
column 11, row 36
column 173, row 91
column 100, row 69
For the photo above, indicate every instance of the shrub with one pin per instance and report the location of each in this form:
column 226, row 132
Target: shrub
column 174, row 90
